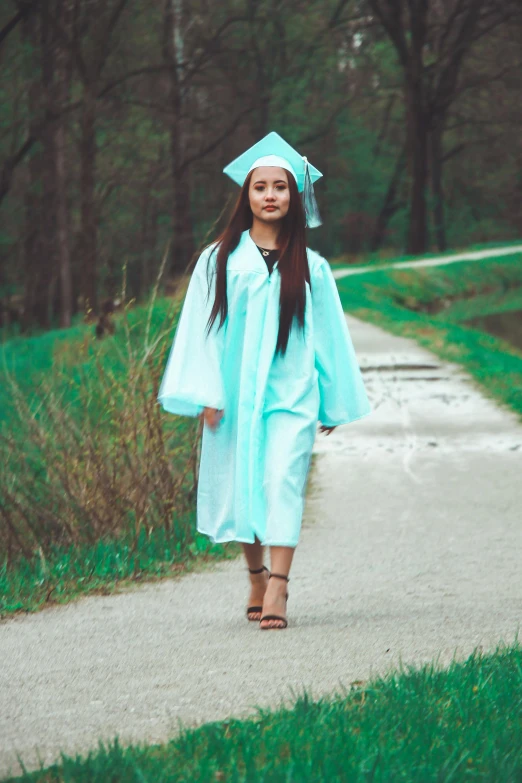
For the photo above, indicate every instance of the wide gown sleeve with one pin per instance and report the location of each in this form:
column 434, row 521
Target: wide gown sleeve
column 193, row 378
column 343, row 395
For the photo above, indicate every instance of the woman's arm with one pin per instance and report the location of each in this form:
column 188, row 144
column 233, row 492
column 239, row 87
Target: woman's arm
column 192, row 379
column 343, row 397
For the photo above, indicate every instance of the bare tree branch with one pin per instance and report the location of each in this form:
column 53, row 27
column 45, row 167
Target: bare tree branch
column 25, row 10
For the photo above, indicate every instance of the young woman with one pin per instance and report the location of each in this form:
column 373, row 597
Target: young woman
column 280, row 359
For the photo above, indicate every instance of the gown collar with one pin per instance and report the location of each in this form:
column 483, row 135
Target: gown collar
column 249, row 242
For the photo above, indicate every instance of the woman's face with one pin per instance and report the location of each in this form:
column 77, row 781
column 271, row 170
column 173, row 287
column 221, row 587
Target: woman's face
column 269, row 193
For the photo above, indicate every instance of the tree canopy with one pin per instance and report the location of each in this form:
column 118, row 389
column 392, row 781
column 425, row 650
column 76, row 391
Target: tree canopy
column 118, row 117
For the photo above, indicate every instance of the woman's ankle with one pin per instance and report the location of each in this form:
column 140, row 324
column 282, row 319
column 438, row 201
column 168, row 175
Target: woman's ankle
column 278, row 586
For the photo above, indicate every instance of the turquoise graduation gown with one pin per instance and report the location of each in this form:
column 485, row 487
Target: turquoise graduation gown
column 254, row 466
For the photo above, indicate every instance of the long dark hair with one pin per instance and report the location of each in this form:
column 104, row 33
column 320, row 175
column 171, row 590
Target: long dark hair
column 293, row 261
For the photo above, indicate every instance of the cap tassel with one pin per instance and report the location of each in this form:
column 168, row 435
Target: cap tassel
column 313, row 218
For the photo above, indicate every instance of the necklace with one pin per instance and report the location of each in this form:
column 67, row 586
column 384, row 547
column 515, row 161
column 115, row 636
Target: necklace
column 263, row 250
column 266, row 252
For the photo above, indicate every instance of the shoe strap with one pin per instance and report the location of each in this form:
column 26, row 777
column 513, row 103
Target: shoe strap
column 258, row 570
column 280, row 576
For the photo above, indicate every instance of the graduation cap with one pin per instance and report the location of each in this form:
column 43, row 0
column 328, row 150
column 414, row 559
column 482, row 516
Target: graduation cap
column 273, row 150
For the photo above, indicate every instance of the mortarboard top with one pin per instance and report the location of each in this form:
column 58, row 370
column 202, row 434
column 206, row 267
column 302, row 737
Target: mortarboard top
column 277, row 152
column 273, row 150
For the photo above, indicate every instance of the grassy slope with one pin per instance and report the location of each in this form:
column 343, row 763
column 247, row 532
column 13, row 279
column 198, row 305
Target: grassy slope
column 379, row 297
column 384, row 256
column 110, row 564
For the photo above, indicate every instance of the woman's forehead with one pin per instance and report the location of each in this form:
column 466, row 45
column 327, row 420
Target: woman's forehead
column 269, row 174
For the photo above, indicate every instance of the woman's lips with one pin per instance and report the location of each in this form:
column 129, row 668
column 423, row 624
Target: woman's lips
column 270, row 209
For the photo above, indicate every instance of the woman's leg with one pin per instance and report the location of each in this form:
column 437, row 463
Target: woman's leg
column 275, row 596
column 254, row 554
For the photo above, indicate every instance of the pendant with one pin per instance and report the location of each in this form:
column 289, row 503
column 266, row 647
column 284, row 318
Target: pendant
column 266, row 253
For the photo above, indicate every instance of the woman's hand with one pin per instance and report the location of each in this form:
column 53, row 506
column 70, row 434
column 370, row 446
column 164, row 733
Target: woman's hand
column 328, row 430
column 212, row 417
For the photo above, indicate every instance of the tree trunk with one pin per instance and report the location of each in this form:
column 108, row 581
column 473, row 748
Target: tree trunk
column 417, row 126
column 142, row 276
column 33, row 279
column 62, row 76
column 37, row 269
column 418, row 152
column 260, row 117
column 437, row 187
column 183, row 239
column 88, row 239
column 50, row 189
column 390, row 205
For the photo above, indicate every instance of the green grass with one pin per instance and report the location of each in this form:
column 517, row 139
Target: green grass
column 75, row 351
column 65, row 574
column 72, row 365
column 415, row 725
column 386, row 297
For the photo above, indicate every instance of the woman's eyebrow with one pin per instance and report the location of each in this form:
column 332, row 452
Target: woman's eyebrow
column 263, row 181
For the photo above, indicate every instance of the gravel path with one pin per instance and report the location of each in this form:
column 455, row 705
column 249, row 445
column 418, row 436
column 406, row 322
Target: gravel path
column 410, row 551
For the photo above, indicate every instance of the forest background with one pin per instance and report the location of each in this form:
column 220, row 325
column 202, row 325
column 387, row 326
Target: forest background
column 118, row 116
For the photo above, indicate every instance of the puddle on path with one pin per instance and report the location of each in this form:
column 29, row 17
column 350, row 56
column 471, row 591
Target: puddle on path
column 395, row 367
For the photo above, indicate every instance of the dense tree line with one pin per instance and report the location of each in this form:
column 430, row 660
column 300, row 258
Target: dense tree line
column 119, row 115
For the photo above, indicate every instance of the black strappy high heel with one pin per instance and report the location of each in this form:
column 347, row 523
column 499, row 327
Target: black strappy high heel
column 275, row 616
column 257, row 609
